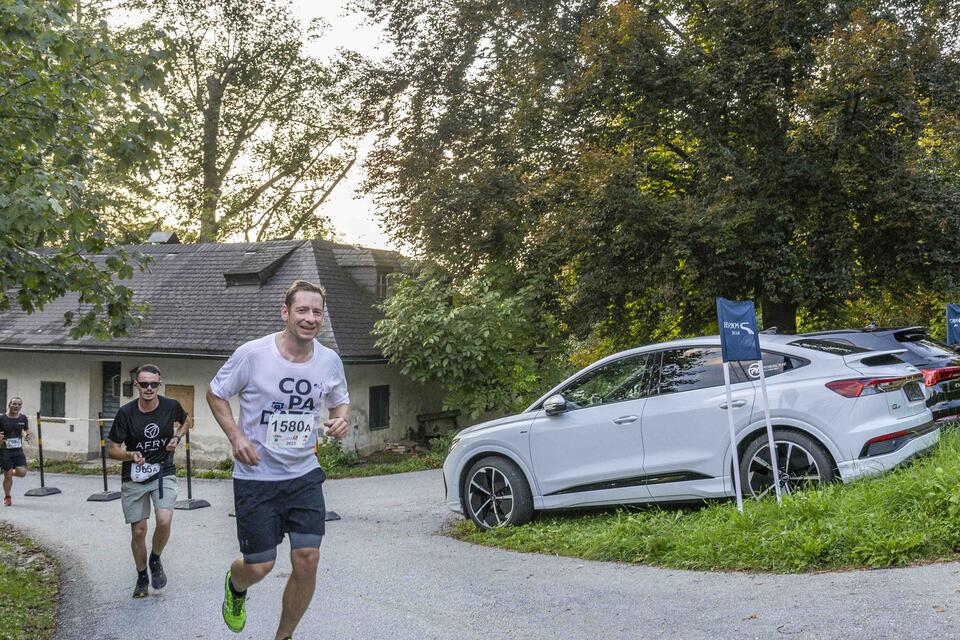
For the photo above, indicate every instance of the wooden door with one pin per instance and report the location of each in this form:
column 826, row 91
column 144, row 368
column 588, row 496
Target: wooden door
column 184, row 395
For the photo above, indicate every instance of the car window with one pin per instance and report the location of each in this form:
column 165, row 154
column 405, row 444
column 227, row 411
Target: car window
column 775, row 364
column 617, row 381
column 929, row 348
column 695, row 368
column 828, row 346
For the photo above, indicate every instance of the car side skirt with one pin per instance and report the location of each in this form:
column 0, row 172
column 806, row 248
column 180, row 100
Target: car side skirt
column 633, row 481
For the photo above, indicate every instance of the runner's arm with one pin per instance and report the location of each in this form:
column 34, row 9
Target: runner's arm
column 116, row 452
column 337, row 424
column 243, row 449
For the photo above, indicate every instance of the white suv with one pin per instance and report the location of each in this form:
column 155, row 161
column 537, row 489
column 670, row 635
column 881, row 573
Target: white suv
column 650, row 424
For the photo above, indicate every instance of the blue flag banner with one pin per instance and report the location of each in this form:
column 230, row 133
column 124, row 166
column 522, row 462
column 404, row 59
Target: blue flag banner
column 953, row 324
column 738, row 330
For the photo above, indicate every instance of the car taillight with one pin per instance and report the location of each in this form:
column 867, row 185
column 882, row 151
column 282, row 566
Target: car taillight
column 932, row 377
column 856, row 387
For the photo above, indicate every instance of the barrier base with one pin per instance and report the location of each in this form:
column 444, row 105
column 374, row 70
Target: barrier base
column 191, row 503
column 42, row 491
column 104, row 496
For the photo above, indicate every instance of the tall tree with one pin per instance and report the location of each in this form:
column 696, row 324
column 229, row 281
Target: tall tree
column 637, row 158
column 262, row 129
column 59, row 76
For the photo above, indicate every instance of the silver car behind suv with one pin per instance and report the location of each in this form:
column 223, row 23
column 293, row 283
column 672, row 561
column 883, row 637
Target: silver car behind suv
column 650, row 424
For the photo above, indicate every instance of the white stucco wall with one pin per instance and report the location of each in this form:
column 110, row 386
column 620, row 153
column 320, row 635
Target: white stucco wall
column 77, row 436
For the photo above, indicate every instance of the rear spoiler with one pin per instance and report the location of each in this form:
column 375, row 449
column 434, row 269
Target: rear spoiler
column 854, row 358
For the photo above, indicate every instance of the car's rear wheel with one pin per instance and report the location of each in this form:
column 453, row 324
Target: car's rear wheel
column 496, row 494
column 802, row 461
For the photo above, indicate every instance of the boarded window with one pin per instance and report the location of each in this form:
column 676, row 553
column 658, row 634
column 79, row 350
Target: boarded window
column 53, row 399
column 380, row 407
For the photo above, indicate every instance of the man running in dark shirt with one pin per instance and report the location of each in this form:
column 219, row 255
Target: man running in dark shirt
column 144, row 435
column 14, row 428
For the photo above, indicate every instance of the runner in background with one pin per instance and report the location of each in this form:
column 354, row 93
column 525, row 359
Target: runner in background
column 14, row 429
column 144, row 435
column 284, row 380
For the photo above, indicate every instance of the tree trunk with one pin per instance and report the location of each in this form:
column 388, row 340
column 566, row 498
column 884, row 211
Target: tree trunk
column 211, row 177
column 782, row 315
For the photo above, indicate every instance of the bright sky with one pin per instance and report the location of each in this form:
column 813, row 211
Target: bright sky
column 354, row 216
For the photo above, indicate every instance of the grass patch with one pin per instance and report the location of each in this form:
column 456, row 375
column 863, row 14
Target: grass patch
column 29, row 588
column 911, row 515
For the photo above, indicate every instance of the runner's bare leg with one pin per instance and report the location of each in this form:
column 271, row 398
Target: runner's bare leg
column 138, row 543
column 299, row 589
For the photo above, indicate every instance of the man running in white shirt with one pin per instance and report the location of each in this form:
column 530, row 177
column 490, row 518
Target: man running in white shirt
column 283, row 380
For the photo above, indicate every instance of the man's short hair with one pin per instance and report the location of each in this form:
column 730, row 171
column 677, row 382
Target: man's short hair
column 302, row 285
column 149, row 368
column 15, row 398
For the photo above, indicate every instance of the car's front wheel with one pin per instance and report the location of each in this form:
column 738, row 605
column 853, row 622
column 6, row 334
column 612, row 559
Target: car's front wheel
column 497, row 494
column 802, row 461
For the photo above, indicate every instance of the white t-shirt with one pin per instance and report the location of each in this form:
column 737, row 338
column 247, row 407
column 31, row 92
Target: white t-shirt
column 268, row 383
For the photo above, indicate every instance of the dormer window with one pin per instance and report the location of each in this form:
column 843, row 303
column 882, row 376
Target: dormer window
column 383, row 283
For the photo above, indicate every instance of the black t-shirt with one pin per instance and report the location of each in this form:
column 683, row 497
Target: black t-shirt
column 13, row 427
column 148, row 433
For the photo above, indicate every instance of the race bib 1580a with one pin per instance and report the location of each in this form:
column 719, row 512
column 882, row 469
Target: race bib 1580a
column 143, row 472
column 290, row 430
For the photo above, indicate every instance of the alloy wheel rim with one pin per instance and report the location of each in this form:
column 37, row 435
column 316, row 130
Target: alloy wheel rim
column 490, row 497
column 798, row 469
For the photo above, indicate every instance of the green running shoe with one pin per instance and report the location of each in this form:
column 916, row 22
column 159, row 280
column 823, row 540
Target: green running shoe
column 234, row 608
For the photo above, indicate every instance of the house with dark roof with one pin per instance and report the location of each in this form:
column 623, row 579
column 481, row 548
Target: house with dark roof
column 204, row 301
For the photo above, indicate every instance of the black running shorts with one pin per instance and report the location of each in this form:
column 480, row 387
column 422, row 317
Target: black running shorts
column 266, row 510
column 12, row 458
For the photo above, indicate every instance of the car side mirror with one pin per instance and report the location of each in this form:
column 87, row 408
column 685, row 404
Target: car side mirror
column 555, row 404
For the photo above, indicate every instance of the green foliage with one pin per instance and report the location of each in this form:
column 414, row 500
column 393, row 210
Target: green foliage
column 908, row 516
column 630, row 161
column 330, row 454
column 475, row 340
column 71, row 103
column 29, row 588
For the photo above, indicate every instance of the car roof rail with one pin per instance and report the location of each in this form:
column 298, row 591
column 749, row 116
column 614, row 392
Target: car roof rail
column 770, row 330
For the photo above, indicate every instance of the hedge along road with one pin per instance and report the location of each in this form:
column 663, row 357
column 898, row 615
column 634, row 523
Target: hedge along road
column 386, row 572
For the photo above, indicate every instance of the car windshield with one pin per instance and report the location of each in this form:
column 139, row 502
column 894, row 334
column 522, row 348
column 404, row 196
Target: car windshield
column 828, row 346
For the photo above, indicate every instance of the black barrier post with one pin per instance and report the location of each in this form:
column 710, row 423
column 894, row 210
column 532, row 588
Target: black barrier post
column 190, row 503
column 105, row 495
column 42, row 490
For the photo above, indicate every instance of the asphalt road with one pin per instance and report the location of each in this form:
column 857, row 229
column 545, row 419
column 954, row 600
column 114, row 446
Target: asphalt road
column 387, row 573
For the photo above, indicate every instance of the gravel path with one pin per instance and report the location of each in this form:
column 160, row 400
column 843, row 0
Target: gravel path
column 386, row 573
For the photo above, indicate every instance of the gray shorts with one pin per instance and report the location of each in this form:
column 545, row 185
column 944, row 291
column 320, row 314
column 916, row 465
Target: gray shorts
column 136, row 497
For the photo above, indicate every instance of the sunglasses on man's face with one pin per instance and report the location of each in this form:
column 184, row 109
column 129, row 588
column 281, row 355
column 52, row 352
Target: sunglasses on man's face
column 149, row 385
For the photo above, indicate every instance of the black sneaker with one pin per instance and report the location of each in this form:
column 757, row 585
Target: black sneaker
column 140, row 591
column 157, row 577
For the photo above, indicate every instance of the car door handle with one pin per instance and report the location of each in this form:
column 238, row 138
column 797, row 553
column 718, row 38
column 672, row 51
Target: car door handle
column 625, row 420
column 736, row 404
